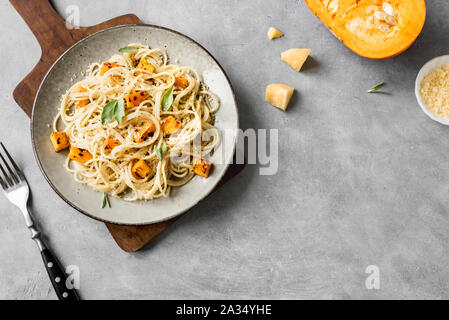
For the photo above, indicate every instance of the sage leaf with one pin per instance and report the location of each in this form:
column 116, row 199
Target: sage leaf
column 108, row 112
column 119, row 111
column 105, row 201
column 113, row 110
column 376, row 88
column 160, row 152
column 167, row 99
column 128, row 49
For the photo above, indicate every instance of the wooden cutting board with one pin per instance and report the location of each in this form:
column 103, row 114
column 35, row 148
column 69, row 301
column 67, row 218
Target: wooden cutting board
column 55, row 36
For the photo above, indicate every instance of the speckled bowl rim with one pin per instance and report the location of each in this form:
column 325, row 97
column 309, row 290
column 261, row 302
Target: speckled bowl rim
column 228, row 161
column 426, row 69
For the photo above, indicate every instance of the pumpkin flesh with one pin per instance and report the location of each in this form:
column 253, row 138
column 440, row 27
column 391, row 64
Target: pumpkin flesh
column 357, row 25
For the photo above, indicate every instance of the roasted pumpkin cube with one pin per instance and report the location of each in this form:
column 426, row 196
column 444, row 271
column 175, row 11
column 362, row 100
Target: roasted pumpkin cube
column 134, row 99
column 181, row 82
column 147, row 129
column 170, row 125
column 134, row 61
column 140, row 169
column 111, row 144
column 81, row 103
column 145, row 65
column 79, row 155
column 202, row 168
column 80, row 89
column 59, row 140
column 106, row 66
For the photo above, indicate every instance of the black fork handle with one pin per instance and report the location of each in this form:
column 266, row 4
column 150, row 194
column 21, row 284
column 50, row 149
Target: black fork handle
column 58, row 276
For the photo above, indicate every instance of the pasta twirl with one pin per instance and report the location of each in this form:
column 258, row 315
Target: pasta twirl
column 140, row 78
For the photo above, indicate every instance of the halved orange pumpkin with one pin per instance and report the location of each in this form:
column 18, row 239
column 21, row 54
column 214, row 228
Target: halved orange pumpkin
column 375, row 29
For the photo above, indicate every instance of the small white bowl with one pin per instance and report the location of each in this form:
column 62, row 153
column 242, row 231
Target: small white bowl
column 425, row 70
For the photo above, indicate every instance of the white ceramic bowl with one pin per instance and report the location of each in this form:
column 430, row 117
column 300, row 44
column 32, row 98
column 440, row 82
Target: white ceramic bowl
column 425, row 70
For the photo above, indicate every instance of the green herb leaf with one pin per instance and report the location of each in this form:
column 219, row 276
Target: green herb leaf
column 162, row 150
column 128, row 49
column 113, row 110
column 105, row 201
column 160, row 153
column 167, row 99
column 108, row 112
column 376, row 88
column 119, row 111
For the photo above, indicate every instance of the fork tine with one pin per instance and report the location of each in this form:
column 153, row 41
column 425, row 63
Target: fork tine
column 12, row 173
column 7, row 179
column 18, row 171
column 3, row 184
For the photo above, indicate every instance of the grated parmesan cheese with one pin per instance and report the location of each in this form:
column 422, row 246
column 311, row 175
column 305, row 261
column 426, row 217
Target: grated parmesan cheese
column 435, row 91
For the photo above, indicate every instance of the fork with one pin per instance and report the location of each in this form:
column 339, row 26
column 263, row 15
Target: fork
column 16, row 189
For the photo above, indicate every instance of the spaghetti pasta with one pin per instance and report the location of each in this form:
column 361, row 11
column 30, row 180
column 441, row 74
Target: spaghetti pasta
column 151, row 149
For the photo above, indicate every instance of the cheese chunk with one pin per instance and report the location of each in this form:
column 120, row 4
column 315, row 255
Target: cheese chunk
column 274, row 33
column 295, row 58
column 279, row 95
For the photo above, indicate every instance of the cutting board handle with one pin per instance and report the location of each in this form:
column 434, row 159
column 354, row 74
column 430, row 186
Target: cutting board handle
column 42, row 19
column 54, row 36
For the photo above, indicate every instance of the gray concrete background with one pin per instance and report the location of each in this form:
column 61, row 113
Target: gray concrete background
column 362, row 178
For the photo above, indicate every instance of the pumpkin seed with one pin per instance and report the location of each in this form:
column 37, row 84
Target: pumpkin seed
column 332, row 7
column 379, row 15
column 384, row 28
column 391, row 20
column 388, row 9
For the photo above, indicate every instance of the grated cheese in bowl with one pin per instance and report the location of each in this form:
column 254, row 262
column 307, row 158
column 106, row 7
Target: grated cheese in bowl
column 435, row 91
column 432, row 89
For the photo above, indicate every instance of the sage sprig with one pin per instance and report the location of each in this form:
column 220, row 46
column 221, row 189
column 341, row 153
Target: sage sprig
column 105, row 201
column 128, row 49
column 376, row 88
column 160, row 152
column 113, row 110
column 167, row 99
